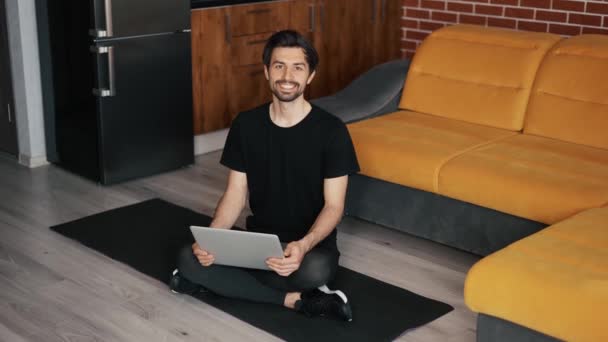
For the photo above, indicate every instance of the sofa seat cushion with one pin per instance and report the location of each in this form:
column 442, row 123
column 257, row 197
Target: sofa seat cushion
column 409, row 148
column 555, row 281
column 537, row 178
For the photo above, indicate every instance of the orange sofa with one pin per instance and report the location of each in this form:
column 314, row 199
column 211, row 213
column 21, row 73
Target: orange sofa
column 516, row 124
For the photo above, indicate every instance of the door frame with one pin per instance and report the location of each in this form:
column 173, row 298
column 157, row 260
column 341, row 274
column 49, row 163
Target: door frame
column 5, row 70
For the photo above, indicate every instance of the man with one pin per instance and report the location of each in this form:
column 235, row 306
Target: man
column 293, row 159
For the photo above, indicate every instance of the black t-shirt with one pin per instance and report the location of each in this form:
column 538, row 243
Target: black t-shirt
column 286, row 168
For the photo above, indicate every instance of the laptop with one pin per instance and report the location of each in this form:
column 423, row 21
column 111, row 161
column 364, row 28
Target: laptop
column 238, row 248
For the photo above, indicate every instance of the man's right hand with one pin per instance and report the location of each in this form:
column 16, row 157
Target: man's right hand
column 204, row 257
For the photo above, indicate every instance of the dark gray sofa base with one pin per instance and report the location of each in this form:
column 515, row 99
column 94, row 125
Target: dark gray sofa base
column 492, row 329
column 445, row 220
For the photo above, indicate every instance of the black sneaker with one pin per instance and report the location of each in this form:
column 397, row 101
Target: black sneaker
column 322, row 302
column 179, row 284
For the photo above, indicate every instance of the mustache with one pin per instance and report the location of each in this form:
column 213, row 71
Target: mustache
column 279, row 82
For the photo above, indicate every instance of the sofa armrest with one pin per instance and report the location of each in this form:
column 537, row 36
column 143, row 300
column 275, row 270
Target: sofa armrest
column 374, row 93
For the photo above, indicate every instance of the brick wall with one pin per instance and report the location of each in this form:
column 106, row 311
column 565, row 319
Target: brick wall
column 563, row 17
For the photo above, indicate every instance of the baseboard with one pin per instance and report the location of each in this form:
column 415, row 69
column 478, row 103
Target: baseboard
column 8, row 156
column 209, row 142
column 203, row 143
column 32, row 162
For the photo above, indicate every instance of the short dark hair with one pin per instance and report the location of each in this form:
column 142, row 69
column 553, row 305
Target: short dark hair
column 291, row 38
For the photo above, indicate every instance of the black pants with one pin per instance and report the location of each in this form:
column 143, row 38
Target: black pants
column 318, row 267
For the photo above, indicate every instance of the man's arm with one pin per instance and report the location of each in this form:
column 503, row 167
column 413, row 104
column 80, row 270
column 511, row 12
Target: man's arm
column 228, row 210
column 334, row 192
column 232, row 202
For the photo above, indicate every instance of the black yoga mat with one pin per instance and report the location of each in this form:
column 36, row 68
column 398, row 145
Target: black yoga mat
column 147, row 236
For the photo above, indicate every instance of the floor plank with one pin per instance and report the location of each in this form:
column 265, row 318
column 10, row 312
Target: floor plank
column 192, row 320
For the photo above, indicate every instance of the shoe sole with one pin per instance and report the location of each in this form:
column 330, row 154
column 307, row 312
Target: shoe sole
column 200, row 289
column 172, row 275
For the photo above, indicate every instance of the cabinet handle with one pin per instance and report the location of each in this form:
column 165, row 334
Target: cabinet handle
column 384, row 4
column 111, row 91
column 228, row 30
column 311, row 13
column 322, row 17
column 255, row 42
column 259, row 11
column 10, row 116
column 374, row 11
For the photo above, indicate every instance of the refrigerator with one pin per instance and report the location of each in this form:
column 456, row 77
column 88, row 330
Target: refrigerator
column 121, row 78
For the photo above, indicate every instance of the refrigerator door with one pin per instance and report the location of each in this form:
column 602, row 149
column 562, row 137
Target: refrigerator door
column 126, row 18
column 144, row 97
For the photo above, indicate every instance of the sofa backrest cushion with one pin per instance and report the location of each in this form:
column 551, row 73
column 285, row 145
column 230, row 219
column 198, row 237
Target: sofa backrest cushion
column 569, row 101
column 476, row 74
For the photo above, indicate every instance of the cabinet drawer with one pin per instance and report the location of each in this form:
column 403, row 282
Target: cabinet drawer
column 249, row 87
column 258, row 18
column 305, row 15
column 247, row 50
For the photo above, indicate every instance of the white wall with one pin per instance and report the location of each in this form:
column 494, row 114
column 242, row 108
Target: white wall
column 25, row 70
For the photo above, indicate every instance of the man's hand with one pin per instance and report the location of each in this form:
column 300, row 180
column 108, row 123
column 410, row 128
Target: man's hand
column 204, row 257
column 294, row 253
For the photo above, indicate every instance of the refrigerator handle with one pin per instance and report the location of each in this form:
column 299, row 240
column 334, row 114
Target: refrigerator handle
column 107, row 14
column 111, row 90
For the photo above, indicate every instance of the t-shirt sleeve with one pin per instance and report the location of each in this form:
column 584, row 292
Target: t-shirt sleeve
column 233, row 155
column 340, row 157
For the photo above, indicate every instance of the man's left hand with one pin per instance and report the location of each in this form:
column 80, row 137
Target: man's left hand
column 294, row 253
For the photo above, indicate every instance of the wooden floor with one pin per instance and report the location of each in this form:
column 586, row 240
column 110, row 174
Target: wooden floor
column 53, row 289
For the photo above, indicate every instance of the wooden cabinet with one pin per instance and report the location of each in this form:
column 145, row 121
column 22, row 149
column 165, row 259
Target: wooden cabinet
column 228, row 73
column 387, row 31
column 248, row 88
column 344, row 39
column 351, row 36
column 211, row 67
column 257, row 18
column 303, row 18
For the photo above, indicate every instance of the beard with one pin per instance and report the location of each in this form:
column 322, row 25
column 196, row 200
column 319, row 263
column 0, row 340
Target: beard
column 287, row 97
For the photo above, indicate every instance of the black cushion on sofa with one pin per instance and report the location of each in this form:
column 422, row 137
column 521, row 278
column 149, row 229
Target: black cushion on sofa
column 376, row 92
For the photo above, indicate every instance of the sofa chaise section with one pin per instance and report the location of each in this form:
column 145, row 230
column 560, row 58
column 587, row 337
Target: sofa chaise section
column 554, row 282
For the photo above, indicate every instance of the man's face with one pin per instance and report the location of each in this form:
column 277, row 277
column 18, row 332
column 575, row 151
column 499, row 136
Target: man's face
column 289, row 73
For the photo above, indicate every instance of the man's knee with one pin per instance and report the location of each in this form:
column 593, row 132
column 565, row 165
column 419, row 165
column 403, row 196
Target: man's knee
column 312, row 278
column 316, row 270
column 185, row 257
